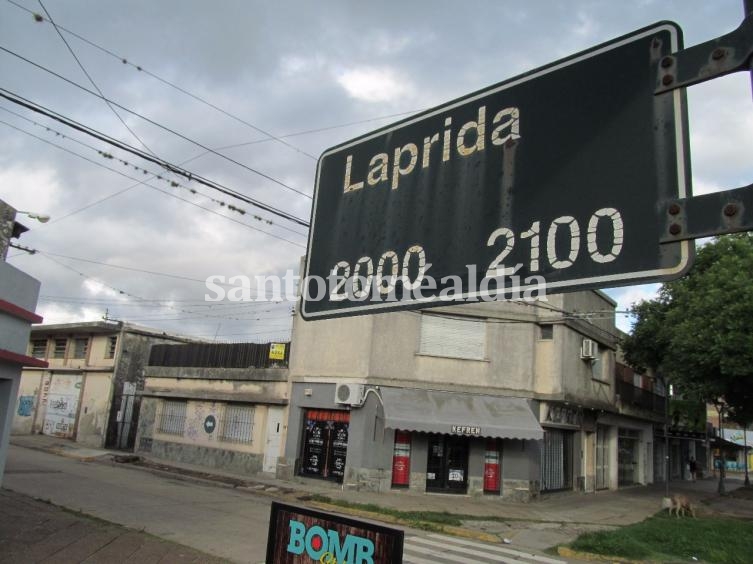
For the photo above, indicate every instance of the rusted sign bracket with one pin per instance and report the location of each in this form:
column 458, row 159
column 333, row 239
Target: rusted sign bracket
column 724, row 55
column 719, row 213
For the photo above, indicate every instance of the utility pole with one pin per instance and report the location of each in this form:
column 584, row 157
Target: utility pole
column 745, row 453
column 722, row 470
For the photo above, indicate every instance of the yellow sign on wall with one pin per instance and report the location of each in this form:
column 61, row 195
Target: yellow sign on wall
column 277, row 351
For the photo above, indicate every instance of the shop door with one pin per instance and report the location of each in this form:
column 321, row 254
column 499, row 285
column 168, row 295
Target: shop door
column 325, row 444
column 557, row 460
column 602, row 458
column 627, row 457
column 447, row 465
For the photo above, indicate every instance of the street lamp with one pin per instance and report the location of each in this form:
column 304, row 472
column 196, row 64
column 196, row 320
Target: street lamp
column 40, row 217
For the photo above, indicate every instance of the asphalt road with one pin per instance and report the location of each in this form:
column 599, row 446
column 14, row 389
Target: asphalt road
column 216, row 520
column 220, row 521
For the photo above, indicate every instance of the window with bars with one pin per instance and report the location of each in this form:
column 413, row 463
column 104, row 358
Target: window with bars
column 112, row 343
column 238, row 424
column 39, row 348
column 59, row 350
column 80, row 347
column 172, row 418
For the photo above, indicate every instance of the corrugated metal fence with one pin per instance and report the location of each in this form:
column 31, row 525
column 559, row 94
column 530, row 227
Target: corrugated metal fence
column 217, row 355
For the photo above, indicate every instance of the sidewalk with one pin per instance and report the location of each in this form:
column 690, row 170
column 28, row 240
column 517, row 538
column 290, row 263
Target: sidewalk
column 555, row 519
column 35, row 531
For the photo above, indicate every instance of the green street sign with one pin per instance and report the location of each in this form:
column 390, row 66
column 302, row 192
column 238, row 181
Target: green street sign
column 548, row 182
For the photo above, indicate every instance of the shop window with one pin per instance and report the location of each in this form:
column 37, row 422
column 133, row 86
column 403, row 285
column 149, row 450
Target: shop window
column 112, row 343
column 238, row 424
column 546, row 332
column 80, row 348
column 172, row 419
column 39, row 348
column 59, row 350
column 453, row 337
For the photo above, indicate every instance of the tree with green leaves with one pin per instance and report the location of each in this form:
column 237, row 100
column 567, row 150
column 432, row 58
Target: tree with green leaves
column 698, row 332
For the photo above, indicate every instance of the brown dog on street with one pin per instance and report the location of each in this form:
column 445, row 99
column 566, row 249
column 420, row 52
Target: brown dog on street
column 681, row 503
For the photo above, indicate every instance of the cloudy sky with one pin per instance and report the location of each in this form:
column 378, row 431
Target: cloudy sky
column 287, row 80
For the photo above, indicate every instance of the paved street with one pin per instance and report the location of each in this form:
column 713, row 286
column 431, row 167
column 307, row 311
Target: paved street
column 440, row 549
column 232, row 523
column 219, row 521
column 35, row 531
column 223, row 522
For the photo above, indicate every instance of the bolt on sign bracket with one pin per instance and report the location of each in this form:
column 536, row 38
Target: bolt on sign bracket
column 724, row 212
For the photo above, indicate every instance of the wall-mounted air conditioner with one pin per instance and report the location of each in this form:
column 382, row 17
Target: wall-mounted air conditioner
column 347, row 393
column 588, row 349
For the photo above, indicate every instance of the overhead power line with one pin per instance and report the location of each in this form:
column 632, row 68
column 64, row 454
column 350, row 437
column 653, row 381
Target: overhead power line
column 140, row 68
column 146, row 183
column 163, row 127
column 21, row 101
column 94, row 84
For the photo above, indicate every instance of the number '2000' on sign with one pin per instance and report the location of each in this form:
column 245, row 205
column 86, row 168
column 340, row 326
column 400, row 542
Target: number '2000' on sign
column 361, row 280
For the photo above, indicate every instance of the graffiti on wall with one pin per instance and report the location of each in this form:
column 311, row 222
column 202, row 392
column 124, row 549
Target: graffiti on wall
column 25, row 406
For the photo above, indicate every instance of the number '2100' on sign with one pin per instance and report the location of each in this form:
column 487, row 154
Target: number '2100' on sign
column 604, row 236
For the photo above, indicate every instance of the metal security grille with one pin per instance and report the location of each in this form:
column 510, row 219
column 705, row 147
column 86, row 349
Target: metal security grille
column 556, row 460
column 80, row 348
column 172, row 418
column 602, row 458
column 449, row 336
column 238, row 424
column 39, row 348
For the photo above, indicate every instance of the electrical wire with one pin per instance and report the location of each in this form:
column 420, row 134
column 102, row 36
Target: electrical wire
column 270, row 136
column 156, row 124
column 145, row 183
column 94, row 84
column 19, row 100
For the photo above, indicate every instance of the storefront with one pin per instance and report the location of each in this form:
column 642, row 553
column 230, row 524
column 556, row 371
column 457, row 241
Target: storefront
column 415, row 439
column 558, row 456
column 628, row 443
column 325, row 444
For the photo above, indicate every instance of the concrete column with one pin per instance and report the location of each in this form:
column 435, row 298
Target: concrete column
column 8, row 393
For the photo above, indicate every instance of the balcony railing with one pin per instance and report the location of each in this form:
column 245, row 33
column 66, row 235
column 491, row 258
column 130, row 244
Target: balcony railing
column 217, row 355
column 638, row 397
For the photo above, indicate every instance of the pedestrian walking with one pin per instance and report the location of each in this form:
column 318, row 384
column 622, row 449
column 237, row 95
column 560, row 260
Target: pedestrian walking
column 693, row 468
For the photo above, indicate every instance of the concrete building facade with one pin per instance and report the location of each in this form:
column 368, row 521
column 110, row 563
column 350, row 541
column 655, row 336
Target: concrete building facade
column 222, row 406
column 88, row 392
column 507, row 399
column 18, row 300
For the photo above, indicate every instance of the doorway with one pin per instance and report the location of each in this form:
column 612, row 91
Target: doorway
column 274, row 439
column 325, row 444
column 602, row 458
column 447, row 464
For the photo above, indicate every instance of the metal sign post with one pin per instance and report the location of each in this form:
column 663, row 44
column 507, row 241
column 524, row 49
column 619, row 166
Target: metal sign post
column 547, row 180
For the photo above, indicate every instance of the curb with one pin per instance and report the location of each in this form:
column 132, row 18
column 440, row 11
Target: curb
column 566, row 552
column 449, row 529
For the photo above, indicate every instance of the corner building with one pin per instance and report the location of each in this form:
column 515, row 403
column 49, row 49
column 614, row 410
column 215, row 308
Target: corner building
column 506, row 399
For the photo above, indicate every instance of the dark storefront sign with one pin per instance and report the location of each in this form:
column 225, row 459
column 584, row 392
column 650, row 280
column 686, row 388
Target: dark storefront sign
column 447, row 464
column 557, row 460
column 325, row 444
column 303, row 536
